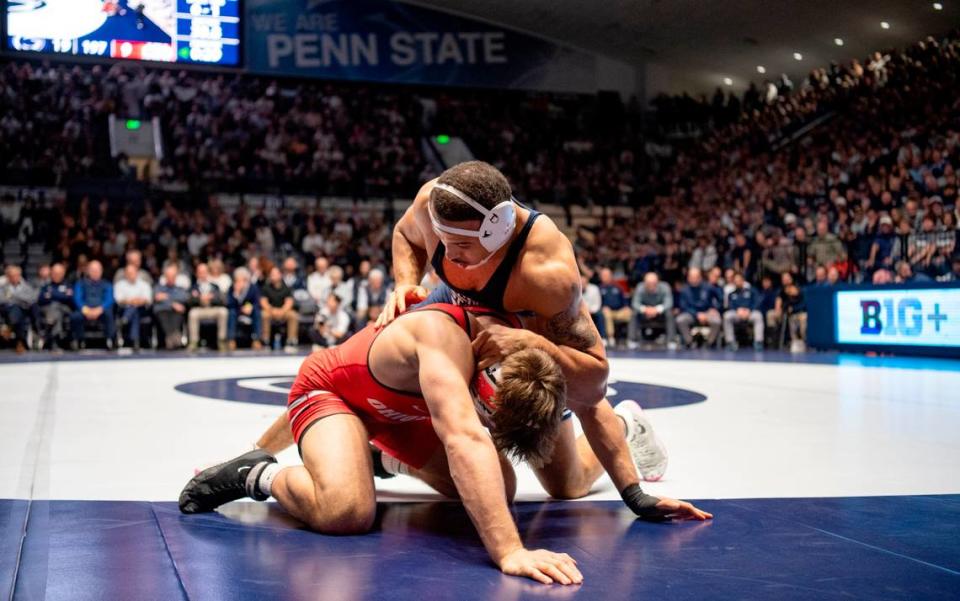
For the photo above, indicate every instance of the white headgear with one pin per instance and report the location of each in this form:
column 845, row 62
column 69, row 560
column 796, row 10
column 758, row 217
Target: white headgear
column 498, row 222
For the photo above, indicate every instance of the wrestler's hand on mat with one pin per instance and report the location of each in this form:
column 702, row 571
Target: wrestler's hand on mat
column 398, row 301
column 672, row 509
column 651, row 507
column 495, row 342
column 542, row 565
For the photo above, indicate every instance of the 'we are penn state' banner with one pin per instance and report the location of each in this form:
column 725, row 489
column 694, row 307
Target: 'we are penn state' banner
column 381, row 40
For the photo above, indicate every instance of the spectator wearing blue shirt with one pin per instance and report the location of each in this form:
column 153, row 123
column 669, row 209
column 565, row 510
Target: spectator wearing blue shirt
column 170, row 306
column 698, row 306
column 94, row 300
column 206, row 304
column 906, row 275
column 616, row 307
column 291, row 275
column 715, row 283
column 55, row 305
column 768, row 301
column 243, row 304
column 792, row 305
column 371, row 297
column 742, row 306
column 881, row 251
column 953, row 276
column 821, row 277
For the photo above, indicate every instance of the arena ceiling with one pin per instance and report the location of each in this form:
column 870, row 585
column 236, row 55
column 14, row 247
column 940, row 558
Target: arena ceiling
column 694, row 44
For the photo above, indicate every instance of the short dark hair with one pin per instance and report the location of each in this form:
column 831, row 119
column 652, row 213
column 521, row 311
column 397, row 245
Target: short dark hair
column 481, row 181
column 531, row 398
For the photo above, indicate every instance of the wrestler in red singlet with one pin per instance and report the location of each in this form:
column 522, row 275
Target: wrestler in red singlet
column 339, row 380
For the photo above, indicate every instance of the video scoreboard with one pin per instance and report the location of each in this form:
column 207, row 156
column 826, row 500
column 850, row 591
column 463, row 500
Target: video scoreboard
column 175, row 31
column 919, row 318
column 928, row 317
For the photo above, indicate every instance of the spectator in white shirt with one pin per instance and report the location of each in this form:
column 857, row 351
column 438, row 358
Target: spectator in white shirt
column 342, row 289
column 591, row 296
column 313, row 242
column 196, row 241
column 331, row 324
column 133, row 297
column 135, row 258
column 219, row 276
column 318, row 282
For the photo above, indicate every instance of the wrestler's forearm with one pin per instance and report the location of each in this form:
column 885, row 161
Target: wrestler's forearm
column 446, row 364
column 604, row 432
column 585, row 371
column 408, row 260
column 479, row 480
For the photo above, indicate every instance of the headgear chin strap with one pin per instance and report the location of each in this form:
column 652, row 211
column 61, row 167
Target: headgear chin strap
column 498, row 222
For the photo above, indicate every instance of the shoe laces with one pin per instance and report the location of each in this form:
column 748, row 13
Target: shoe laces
column 648, row 453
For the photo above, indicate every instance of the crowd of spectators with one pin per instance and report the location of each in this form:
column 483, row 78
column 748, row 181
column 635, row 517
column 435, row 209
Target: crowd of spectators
column 240, row 132
column 742, row 219
column 157, row 276
column 235, row 130
column 869, row 195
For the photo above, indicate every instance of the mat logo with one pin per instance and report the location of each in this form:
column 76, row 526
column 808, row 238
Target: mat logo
column 650, row 396
column 273, row 390
column 904, row 318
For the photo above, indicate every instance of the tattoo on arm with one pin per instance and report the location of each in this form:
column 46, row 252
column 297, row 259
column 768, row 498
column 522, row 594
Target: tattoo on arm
column 575, row 331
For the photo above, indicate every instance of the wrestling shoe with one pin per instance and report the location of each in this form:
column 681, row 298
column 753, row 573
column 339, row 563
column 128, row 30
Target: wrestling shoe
column 226, row 482
column 649, row 454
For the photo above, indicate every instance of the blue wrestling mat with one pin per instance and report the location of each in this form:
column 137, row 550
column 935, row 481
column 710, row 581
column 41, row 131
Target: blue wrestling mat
column 841, row 548
column 829, row 476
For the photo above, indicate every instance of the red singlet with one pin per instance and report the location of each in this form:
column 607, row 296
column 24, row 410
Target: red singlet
column 338, row 380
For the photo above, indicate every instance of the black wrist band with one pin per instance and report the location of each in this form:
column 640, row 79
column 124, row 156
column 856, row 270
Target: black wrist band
column 639, row 502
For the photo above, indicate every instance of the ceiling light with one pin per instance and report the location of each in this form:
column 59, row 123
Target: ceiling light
column 838, row 41
column 797, row 56
column 884, row 25
column 937, row 6
column 727, row 81
column 761, row 69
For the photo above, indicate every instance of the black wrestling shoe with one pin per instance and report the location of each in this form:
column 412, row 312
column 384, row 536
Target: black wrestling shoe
column 226, row 482
column 378, row 470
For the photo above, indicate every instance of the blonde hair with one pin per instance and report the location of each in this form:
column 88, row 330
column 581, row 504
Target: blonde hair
column 531, row 398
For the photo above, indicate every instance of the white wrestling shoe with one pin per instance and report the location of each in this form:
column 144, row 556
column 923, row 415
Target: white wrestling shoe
column 649, row 454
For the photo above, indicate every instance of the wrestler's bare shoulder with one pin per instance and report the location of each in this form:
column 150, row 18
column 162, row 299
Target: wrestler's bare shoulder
column 548, row 253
